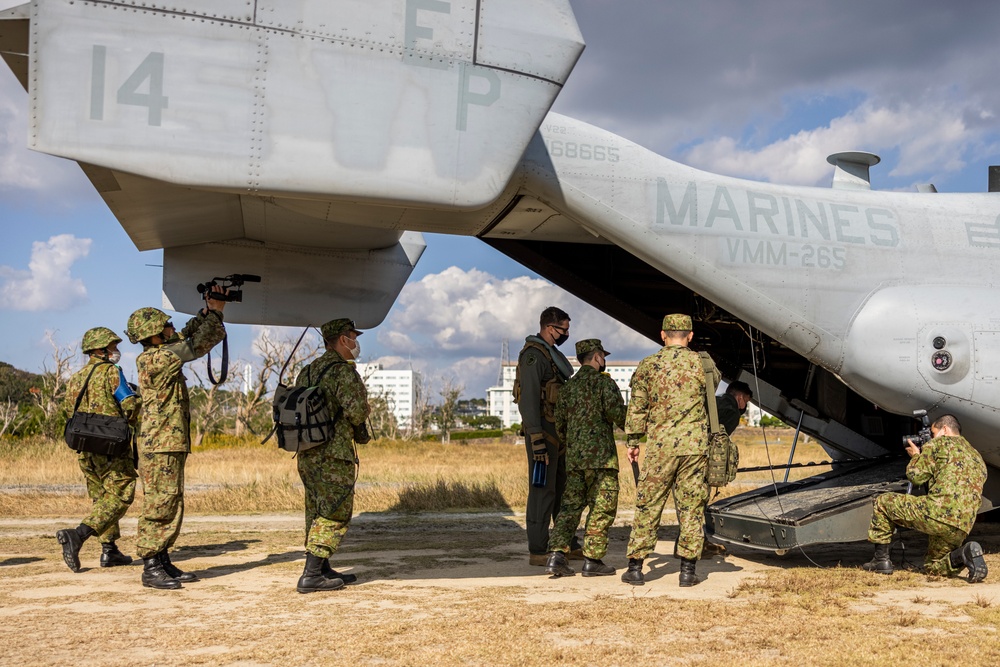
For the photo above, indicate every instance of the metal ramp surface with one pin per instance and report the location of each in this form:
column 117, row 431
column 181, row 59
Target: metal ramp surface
column 832, row 507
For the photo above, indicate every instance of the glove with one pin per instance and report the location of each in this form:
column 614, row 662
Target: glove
column 539, row 451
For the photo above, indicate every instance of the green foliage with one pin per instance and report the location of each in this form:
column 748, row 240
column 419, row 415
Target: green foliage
column 482, row 422
column 767, row 421
column 15, row 384
column 469, row 435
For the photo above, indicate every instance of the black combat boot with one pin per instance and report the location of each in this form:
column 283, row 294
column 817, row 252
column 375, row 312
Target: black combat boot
column 880, row 562
column 111, row 556
column 71, row 544
column 330, row 573
column 688, row 577
column 970, row 555
column 595, row 567
column 174, row 571
column 558, row 565
column 633, row 575
column 154, row 576
column 312, row 578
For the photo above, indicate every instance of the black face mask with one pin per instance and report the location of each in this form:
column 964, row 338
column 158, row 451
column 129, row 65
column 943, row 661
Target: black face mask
column 562, row 338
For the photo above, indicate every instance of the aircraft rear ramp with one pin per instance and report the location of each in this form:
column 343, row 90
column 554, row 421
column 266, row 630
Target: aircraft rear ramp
column 832, row 507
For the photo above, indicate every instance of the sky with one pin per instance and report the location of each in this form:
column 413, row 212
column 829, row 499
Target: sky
column 762, row 90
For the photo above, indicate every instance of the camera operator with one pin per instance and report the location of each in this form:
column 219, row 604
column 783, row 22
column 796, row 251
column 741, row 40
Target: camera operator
column 954, row 473
column 165, row 431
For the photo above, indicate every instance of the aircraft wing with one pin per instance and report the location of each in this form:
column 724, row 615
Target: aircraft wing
column 295, row 139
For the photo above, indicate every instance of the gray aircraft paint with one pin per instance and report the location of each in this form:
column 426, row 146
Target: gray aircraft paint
column 321, row 137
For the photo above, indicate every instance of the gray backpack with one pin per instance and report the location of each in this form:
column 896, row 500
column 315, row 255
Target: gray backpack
column 302, row 418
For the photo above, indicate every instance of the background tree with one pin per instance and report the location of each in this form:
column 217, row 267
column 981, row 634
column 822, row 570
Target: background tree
column 445, row 416
column 212, row 405
column 50, row 391
column 420, row 421
column 253, row 404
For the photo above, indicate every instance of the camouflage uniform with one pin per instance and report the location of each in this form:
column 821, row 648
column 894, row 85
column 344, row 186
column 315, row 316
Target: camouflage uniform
column 165, row 433
column 668, row 406
column 110, row 479
column 329, row 471
column 534, row 372
column 590, row 405
column 955, row 474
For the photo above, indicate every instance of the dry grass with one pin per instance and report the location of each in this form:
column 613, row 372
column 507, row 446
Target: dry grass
column 229, row 475
column 417, row 606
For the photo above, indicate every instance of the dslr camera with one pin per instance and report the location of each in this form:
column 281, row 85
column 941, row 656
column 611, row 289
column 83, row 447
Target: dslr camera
column 232, row 287
column 923, row 436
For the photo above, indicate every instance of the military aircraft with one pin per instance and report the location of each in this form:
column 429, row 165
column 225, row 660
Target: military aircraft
column 312, row 141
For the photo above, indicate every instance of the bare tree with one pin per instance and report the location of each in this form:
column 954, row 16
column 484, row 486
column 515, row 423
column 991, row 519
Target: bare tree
column 421, row 415
column 211, row 405
column 272, row 354
column 56, row 371
column 11, row 416
column 445, row 417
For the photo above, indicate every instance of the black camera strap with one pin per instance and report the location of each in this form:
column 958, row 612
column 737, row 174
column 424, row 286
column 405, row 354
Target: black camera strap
column 224, row 371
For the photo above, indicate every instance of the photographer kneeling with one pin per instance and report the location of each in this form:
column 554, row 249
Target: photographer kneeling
column 954, row 473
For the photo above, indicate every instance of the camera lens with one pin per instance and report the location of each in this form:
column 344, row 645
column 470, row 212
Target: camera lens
column 939, row 342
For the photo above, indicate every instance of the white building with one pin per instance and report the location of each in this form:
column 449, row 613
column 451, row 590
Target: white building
column 396, row 386
column 500, row 399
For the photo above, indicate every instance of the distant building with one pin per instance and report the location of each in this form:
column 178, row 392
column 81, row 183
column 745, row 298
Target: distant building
column 500, row 399
column 396, row 386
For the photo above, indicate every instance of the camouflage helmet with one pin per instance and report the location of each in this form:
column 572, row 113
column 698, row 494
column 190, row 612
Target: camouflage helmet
column 98, row 338
column 144, row 323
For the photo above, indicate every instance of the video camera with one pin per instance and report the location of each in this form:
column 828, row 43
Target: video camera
column 923, row 436
column 231, row 286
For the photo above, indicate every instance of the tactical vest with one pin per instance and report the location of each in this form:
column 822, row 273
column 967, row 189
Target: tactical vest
column 550, row 390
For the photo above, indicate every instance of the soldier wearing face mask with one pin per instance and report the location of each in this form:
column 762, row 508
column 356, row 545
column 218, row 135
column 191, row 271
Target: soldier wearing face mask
column 541, row 371
column 110, row 479
column 329, row 471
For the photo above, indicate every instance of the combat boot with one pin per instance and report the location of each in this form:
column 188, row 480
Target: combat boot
column 688, row 576
column 970, row 555
column 71, row 544
column 111, row 556
column 174, row 571
column 595, row 567
column 330, row 573
column 880, row 562
column 312, row 578
column 633, row 575
column 154, row 576
column 558, row 565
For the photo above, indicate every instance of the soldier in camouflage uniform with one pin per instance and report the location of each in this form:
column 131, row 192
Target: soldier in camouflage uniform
column 110, row 479
column 329, row 471
column 955, row 474
column 589, row 407
column 541, row 371
column 165, row 432
column 668, row 407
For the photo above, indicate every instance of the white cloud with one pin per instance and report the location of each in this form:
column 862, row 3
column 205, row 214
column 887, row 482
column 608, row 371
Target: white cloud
column 451, row 325
column 47, row 284
column 929, row 140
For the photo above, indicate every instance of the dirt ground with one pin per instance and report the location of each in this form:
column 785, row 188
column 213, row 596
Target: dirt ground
column 457, row 589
